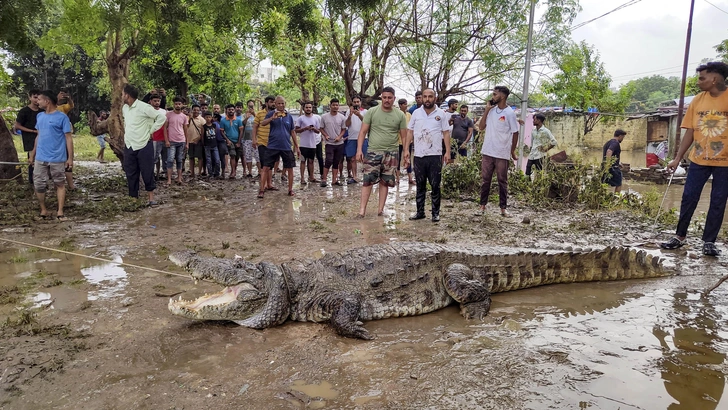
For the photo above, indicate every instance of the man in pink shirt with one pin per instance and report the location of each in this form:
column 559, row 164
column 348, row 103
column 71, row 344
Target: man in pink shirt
column 175, row 139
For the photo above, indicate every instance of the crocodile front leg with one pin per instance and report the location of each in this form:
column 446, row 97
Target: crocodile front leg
column 345, row 317
column 473, row 296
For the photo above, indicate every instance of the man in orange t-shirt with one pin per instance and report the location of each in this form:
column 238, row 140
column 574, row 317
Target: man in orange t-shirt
column 706, row 125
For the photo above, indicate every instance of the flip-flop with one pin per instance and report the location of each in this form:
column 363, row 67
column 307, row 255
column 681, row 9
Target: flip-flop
column 43, row 217
column 261, row 194
column 290, row 193
column 62, row 218
column 273, row 188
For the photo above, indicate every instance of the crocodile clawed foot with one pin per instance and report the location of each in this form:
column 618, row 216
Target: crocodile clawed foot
column 475, row 310
column 355, row 330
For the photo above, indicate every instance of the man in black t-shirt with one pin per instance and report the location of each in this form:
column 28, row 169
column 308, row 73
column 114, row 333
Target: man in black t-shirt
column 462, row 131
column 612, row 149
column 25, row 122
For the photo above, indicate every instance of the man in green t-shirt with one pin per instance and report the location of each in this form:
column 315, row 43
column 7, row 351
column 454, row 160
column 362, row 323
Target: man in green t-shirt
column 385, row 126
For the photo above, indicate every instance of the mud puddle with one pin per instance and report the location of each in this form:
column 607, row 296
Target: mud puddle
column 64, row 280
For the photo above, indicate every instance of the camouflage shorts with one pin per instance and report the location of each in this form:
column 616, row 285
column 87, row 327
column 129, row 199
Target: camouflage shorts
column 380, row 165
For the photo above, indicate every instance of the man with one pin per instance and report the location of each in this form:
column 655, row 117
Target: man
column 160, row 148
column 175, row 139
column 403, row 107
column 706, row 131
column 239, row 110
column 25, row 122
column 499, row 146
column 384, row 125
column 232, row 129
column 333, row 127
column 353, row 124
column 52, row 153
column 462, row 131
column 307, row 129
column 542, row 140
column 611, row 152
column 101, row 139
column 196, row 145
column 261, row 134
column 279, row 142
column 418, row 102
column 140, row 121
column 428, row 129
column 157, row 91
column 249, row 152
column 251, row 105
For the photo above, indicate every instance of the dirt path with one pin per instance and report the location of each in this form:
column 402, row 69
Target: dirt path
column 105, row 340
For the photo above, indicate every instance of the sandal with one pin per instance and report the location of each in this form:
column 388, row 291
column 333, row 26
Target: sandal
column 62, row 218
column 290, row 193
column 273, row 188
column 261, row 194
column 337, row 183
column 43, row 217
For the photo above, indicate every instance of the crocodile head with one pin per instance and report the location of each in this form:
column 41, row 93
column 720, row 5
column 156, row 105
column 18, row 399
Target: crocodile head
column 250, row 292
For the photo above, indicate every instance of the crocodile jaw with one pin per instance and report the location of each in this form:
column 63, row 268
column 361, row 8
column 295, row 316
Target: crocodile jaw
column 237, row 302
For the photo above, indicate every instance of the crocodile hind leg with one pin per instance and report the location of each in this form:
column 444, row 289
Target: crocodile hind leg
column 345, row 318
column 473, row 296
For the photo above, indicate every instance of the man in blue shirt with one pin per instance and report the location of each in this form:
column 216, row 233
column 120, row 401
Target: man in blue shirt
column 232, row 129
column 282, row 134
column 52, row 153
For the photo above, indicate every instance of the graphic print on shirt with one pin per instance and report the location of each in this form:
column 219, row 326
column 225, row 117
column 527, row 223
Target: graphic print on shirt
column 425, row 139
column 712, row 123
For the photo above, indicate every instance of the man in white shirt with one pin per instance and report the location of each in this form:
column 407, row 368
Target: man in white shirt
column 353, row 123
column 428, row 128
column 499, row 146
column 307, row 129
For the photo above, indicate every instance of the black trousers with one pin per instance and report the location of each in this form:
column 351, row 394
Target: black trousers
column 139, row 162
column 428, row 169
column 320, row 157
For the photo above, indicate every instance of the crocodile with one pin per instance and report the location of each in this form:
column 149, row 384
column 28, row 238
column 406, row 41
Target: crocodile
column 390, row 280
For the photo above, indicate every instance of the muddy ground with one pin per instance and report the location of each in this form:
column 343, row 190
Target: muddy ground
column 79, row 333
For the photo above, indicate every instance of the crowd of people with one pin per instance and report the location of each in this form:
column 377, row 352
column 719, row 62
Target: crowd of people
column 384, row 139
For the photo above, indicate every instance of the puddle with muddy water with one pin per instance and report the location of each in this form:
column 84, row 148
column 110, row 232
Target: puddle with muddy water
column 107, row 279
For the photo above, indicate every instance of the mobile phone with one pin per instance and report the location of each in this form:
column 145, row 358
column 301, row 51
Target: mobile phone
column 492, row 102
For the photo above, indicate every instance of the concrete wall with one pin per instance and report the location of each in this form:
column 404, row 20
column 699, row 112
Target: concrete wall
column 569, row 132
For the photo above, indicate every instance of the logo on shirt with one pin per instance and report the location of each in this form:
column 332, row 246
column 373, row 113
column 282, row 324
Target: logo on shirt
column 712, row 125
column 437, row 118
column 502, row 118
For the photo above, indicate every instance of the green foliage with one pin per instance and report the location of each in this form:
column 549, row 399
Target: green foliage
column 462, row 179
column 649, row 92
column 582, row 82
column 648, row 204
column 456, row 45
column 16, row 20
column 722, row 50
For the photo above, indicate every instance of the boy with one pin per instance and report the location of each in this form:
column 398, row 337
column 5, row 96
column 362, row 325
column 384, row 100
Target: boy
column 209, row 139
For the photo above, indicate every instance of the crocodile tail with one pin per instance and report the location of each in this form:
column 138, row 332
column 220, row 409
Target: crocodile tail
column 528, row 269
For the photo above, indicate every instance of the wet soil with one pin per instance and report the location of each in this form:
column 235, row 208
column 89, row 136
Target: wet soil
column 102, row 338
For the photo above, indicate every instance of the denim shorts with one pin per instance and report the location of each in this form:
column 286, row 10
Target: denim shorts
column 175, row 154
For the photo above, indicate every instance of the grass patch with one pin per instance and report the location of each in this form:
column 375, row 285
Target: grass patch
column 18, row 259
column 9, row 295
column 67, row 244
column 317, row 226
column 85, row 148
column 162, row 251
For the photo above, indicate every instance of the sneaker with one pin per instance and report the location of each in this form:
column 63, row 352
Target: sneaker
column 709, row 249
column 417, row 217
column 673, row 243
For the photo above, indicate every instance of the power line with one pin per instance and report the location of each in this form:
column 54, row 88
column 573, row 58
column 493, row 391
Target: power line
column 656, row 71
column 625, row 5
column 726, row 12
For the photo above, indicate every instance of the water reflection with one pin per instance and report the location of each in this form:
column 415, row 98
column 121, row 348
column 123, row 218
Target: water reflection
column 111, row 278
column 692, row 366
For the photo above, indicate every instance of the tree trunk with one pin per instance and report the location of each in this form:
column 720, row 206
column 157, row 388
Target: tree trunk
column 118, row 67
column 97, row 127
column 8, row 153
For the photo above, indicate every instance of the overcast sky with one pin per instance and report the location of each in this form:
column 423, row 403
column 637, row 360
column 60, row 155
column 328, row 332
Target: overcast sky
column 649, row 37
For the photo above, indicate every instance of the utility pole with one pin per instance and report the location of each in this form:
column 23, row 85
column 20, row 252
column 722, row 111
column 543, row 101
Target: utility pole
column 681, row 105
column 526, row 79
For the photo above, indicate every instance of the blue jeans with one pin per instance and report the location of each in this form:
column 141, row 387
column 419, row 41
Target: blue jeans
column 697, row 177
column 175, row 153
column 160, row 150
column 213, row 161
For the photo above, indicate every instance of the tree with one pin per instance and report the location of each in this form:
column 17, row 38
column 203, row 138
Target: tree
column 16, row 21
column 582, row 83
column 120, row 31
column 649, row 92
column 722, row 50
column 360, row 39
column 456, row 47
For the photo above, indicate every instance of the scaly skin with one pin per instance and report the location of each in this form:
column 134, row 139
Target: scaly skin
column 393, row 280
